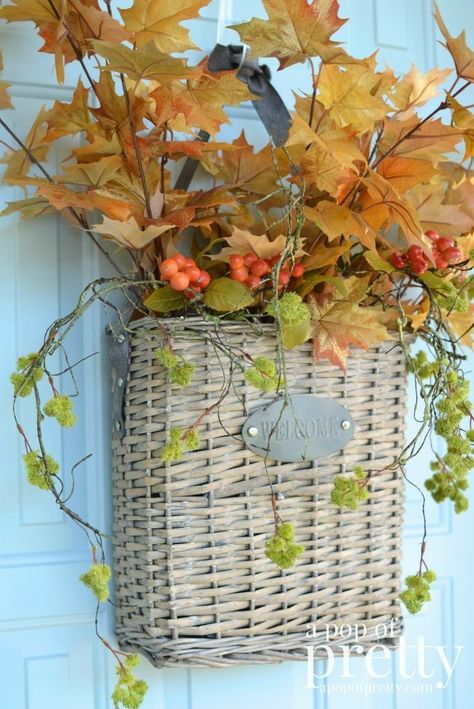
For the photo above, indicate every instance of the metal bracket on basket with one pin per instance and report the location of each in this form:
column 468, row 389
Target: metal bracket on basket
column 119, row 354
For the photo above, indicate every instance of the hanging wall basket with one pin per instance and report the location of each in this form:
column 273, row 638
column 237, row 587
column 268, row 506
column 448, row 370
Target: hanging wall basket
column 193, row 584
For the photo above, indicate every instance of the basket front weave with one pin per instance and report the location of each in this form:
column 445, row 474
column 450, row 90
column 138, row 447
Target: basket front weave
column 193, row 584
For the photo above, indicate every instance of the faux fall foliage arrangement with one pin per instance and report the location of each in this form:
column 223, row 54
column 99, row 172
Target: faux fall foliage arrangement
column 357, row 230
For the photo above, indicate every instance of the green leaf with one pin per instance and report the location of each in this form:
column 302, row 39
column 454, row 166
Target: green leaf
column 165, row 300
column 306, row 284
column 433, row 281
column 226, row 295
column 294, row 335
column 377, row 263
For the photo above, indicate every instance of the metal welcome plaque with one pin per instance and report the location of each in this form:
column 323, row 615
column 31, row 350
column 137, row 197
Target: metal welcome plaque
column 306, row 428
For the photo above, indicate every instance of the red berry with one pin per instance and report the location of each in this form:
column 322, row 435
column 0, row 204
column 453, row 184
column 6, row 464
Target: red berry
column 452, row 255
column 274, row 260
column 298, row 270
column 432, row 234
column 259, row 268
column 239, row 274
column 236, row 261
column 414, row 251
column 189, row 262
column 283, row 277
column 168, row 268
column 398, row 260
column 203, row 280
column 419, row 266
column 249, row 259
column 179, row 281
column 440, row 261
column 190, row 293
column 180, row 260
column 444, row 242
column 193, row 273
column 253, row 282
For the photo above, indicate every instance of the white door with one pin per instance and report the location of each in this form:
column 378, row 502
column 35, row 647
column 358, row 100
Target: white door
column 49, row 656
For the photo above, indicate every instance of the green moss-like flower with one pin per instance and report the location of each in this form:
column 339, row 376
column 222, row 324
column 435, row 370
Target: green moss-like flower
column 281, row 548
column 129, row 691
column 178, row 443
column 449, row 480
column 166, row 357
column 290, row 309
column 174, row 448
column 349, row 491
column 182, row 374
column 192, row 440
column 263, row 375
column 24, row 381
column 418, row 591
column 40, row 470
column 60, row 407
column 97, row 579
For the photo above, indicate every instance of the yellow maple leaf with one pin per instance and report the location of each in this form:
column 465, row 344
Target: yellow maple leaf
column 384, row 206
column 461, row 325
column 434, row 212
column 335, row 220
column 462, row 55
column 145, row 63
column 5, row 101
column 342, row 322
column 348, row 94
column 92, row 174
column 243, row 242
column 37, row 11
column 17, row 161
column 128, row 233
column 415, row 89
column 431, row 141
column 405, row 173
column 295, row 30
column 159, row 21
column 69, row 118
column 463, row 119
column 200, row 103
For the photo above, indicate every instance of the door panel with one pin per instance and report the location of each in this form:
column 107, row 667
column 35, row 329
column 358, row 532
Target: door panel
column 46, row 626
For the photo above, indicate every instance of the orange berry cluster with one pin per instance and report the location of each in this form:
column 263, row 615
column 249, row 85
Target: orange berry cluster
column 444, row 250
column 183, row 275
column 250, row 269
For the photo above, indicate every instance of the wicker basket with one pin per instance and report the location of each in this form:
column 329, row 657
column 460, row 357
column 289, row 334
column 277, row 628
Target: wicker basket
column 193, row 585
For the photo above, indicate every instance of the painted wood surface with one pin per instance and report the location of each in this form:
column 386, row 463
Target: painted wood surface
column 49, row 657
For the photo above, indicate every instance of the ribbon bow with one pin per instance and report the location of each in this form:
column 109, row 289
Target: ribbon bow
column 269, row 106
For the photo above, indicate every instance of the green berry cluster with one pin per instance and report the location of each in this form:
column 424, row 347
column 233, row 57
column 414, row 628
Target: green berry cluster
column 60, row 407
column 451, row 298
column 263, row 375
column 423, row 368
column 349, row 491
column 181, row 373
column 97, row 579
column 281, row 548
column 26, row 375
column 418, row 591
column 449, row 479
column 129, row 691
column 290, row 309
column 178, row 443
column 40, row 470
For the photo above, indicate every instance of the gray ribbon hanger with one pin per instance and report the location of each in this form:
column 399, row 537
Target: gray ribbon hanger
column 269, row 106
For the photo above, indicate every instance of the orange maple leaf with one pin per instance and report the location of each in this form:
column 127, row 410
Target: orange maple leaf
column 342, row 322
column 294, row 31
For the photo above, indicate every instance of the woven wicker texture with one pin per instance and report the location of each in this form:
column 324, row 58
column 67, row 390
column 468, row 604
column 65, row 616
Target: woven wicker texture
column 193, row 584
